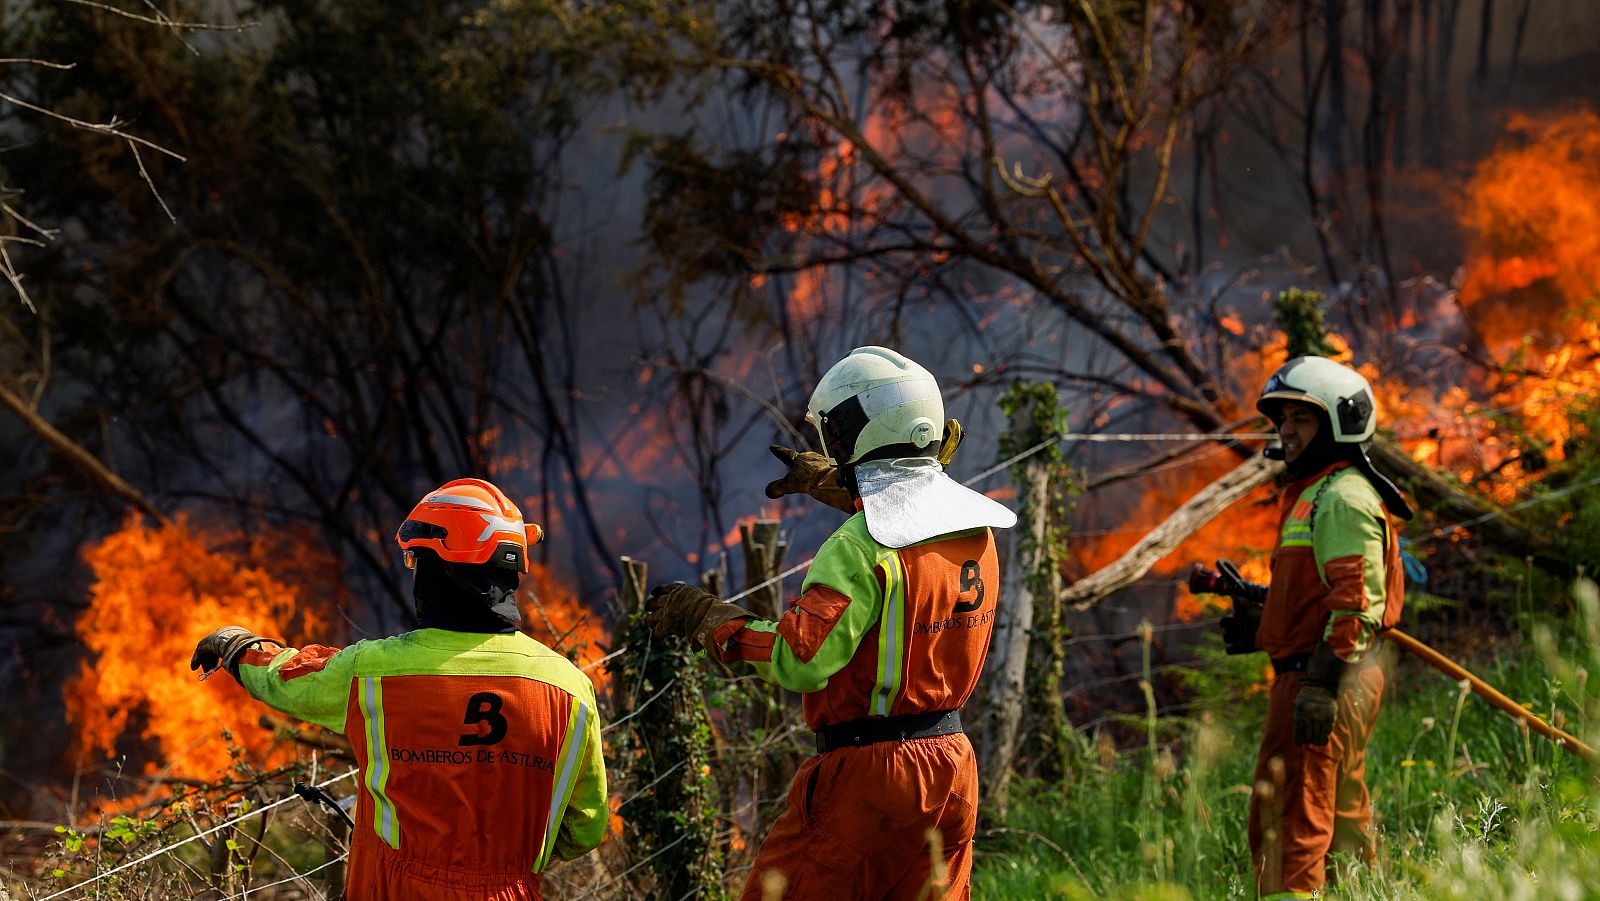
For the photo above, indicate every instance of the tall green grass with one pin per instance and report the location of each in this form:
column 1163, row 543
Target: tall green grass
column 1466, row 804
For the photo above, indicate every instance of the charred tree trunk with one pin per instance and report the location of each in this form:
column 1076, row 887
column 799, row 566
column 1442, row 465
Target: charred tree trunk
column 764, row 549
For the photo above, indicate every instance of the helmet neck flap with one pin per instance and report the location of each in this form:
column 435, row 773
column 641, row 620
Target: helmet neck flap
column 463, row 597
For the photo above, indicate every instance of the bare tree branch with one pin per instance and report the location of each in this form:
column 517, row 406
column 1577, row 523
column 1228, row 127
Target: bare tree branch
column 78, row 456
column 161, row 18
column 113, row 127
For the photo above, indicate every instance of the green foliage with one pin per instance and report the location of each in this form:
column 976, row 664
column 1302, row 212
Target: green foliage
column 1467, row 805
column 668, row 745
column 1300, row 314
column 711, row 218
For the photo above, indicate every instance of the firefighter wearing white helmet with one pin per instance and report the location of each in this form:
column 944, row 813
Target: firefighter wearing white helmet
column 886, row 641
column 876, row 404
column 1339, row 391
column 1337, row 583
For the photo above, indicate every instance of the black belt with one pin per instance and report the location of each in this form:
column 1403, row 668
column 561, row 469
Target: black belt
column 1294, row 663
column 874, row 729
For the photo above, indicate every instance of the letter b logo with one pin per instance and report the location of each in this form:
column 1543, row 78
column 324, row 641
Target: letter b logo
column 484, row 707
column 971, row 577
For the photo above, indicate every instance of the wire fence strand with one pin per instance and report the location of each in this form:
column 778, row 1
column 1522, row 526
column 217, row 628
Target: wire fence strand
column 168, row 849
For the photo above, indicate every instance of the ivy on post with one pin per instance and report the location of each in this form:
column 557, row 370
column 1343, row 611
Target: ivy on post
column 1030, row 606
column 667, row 744
column 762, row 707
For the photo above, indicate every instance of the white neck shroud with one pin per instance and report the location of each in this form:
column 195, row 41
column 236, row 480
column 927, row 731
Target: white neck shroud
column 911, row 499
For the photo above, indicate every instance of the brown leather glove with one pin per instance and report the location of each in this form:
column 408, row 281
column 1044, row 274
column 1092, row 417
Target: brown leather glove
column 678, row 608
column 222, row 648
column 1318, row 701
column 810, row 473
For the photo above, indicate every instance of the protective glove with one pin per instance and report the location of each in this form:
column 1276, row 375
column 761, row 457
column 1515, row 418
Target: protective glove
column 810, row 473
column 222, row 648
column 1237, row 587
column 1318, row 701
column 1239, row 626
column 678, row 608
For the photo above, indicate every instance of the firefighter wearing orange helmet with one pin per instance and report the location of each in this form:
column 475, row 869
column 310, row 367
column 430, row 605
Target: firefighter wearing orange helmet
column 478, row 747
column 886, row 642
column 1337, row 582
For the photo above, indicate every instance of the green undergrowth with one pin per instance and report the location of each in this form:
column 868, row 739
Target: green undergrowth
column 1466, row 804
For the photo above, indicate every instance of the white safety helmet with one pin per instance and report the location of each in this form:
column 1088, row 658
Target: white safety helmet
column 876, row 404
column 1341, row 392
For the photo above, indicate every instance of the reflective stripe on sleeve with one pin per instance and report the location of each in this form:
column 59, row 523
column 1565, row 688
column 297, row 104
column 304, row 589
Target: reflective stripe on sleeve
column 383, row 816
column 891, row 636
column 572, row 747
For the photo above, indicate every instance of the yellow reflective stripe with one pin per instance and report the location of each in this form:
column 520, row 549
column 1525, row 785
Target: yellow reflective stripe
column 383, row 817
column 891, row 637
column 572, row 746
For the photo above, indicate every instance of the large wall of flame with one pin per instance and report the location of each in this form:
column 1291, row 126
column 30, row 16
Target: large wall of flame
column 157, row 590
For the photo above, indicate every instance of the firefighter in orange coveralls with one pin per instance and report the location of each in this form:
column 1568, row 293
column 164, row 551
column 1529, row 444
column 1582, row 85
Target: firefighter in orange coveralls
column 886, row 641
column 478, row 747
column 1337, row 581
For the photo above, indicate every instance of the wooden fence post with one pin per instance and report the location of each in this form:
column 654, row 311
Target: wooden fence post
column 668, row 744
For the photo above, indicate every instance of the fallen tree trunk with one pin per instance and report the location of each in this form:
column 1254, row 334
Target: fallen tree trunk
column 1173, row 531
column 1492, row 524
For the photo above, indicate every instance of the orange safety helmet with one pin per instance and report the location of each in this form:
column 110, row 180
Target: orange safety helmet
column 469, row 521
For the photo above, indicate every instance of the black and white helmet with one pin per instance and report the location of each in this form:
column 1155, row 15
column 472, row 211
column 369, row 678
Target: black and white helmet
column 1344, row 394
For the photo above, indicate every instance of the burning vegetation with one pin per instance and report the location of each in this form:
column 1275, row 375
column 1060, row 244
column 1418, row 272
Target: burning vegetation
column 156, row 590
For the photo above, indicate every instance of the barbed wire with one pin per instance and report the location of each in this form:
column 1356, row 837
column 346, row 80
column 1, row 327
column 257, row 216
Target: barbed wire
column 194, row 838
column 1441, row 532
column 1124, row 636
column 295, row 878
column 641, row 708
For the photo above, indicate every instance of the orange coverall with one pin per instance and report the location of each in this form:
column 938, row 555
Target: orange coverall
column 1336, row 574
column 877, row 632
column 479, row 757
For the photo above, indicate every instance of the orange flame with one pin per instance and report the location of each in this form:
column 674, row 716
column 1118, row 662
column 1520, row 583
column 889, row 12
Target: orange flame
column 157, row 591
column 553, row 614
column 1532, row 216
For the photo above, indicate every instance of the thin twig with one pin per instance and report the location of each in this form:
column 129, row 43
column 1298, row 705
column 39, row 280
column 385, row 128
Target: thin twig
column 145, row 174
column 163, row 20
column 30, row 61
column 110, row 128
column 49, row 234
